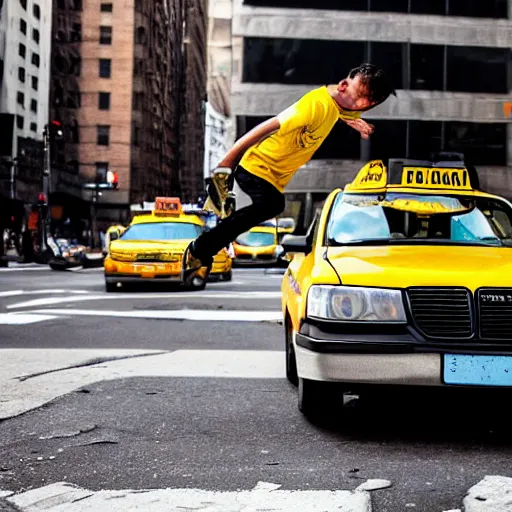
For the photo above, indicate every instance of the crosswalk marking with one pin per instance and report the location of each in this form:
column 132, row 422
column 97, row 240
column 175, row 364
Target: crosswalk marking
column 209, row 315
column 178, row 296
column 65, row 496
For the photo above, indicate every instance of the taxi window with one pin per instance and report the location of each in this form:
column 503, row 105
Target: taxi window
column 409, row 218
column 162, row 231
column 256, row 239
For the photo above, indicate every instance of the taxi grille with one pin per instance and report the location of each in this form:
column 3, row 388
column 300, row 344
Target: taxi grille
column 495, row 307
column 441, row 312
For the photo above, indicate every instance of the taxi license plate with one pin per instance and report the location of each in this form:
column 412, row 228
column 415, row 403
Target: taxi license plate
column 471, row 370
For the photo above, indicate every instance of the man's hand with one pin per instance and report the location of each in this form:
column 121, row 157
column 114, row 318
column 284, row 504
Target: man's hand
column 364, row 128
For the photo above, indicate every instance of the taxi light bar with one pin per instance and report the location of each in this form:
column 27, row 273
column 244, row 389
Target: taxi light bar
column 168, row 206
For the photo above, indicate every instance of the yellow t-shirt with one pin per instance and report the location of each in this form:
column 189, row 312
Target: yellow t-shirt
column 304, row 126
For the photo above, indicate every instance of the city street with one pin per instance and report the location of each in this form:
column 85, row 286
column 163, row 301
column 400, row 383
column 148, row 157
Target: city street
column 170, row 400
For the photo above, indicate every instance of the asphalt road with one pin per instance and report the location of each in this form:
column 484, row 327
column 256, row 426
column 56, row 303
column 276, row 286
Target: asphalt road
column 158, row 389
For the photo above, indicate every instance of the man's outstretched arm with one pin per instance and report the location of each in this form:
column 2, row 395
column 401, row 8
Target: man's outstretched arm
column 252, row 137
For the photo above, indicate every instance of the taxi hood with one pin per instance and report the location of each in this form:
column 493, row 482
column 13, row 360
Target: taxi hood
column 401, row 266
column 148, row 245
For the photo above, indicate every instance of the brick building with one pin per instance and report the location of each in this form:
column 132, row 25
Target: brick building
column 128, row 105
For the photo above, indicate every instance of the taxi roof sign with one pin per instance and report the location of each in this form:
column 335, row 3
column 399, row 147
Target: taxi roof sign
column 448, row 173
column 168, row 206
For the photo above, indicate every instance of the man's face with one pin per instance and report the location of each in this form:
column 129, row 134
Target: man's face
column 353, row 94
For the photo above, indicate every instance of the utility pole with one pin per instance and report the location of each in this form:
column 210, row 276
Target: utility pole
column 45, row 223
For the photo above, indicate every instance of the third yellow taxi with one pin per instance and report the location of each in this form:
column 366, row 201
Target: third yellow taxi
column 405, row 278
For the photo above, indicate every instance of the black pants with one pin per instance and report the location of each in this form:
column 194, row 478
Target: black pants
column 267, row 202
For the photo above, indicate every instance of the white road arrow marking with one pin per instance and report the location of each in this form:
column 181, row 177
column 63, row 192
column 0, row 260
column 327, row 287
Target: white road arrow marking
column 64, row 496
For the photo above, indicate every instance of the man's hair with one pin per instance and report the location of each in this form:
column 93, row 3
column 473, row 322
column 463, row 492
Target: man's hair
column 375, row 80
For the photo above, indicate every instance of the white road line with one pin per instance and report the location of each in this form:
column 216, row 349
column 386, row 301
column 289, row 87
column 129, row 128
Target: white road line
column 19, row 269
column 265, row 496
column 51, row 291
column 50, row 301
column 11, row 293
column 209, row 315
column 23, row 319
column 20, row 396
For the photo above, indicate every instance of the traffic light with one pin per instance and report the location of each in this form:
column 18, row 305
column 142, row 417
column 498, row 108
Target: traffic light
column 56, row 131
column 113, row 179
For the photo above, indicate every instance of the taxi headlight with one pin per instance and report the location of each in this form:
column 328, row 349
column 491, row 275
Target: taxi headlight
column 355, row 304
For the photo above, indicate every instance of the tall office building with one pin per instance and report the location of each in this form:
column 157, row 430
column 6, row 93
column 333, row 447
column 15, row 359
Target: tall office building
column 450, row 61
column 25, row 39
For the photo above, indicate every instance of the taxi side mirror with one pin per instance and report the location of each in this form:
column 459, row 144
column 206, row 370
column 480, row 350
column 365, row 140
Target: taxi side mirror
column 295, row 244
column 114, row 236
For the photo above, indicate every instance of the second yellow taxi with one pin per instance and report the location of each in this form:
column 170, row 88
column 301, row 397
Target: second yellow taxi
column 152, row 247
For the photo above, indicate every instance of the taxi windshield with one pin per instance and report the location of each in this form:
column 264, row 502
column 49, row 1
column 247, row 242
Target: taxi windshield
column 255, row 239
column 162, row 231
column 398, row 218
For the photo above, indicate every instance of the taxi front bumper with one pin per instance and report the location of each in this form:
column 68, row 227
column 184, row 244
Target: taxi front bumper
column 369, row 368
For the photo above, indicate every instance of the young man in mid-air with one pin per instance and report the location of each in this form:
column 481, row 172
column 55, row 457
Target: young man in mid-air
column 266, row 158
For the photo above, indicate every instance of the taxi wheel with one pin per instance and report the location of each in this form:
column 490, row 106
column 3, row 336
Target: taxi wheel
column 291, row 361
column 320, row 399
column 227, row 276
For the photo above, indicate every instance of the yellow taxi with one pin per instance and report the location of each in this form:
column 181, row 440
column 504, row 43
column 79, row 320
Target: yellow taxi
column 152, row 247
column 404, row 278
column 257, row 246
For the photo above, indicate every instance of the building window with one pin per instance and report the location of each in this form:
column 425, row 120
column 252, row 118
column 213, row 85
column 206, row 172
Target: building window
column 23, row 4
column 35, row 83
column 140, row 35
column 469, row 69
column 105, row 35
column 481, row 143
column 20, row 122
column 103, row 135
column 424, row 139
column 33, row 127
column 36, row 11
column 135, row 135
column 138, row 100
column 478, row 8
column 389, row 57
column 33, row 105
column 106, row 7
column 21, row 74
column 35, row 59
column 101, row 172
column 22, row 50
column 389, row 139
column 104, row 101
column 426, row 67
column 388, row 6
column 77, row 5
column 35, row 35
column 20, row 99
column 105, row 68
column 289, row 61
column 23, row 26
column 76, row 32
